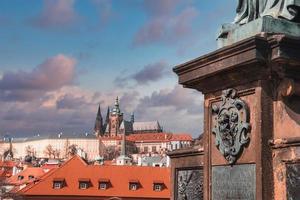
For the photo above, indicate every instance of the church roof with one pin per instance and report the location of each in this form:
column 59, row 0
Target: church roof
column 146, row 126
column 127, row 126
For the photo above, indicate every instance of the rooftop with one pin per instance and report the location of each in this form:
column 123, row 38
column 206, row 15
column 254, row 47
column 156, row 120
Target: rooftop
column 119, row 177
column 27, row 175
column 154, row 137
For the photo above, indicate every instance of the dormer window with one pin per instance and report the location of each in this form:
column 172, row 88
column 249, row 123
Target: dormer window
column 84, row 183
column 158, row 186
column 104, row 184
column 58, row 183
column 133, row 184
column 30, row 177
column 20, row 177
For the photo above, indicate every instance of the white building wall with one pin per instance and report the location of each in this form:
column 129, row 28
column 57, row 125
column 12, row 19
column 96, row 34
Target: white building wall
column 89, row 146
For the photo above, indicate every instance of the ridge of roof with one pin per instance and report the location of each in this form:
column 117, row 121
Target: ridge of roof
column 31, row 185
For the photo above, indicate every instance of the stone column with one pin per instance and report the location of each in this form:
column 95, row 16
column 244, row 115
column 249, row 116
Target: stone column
column 251, row 117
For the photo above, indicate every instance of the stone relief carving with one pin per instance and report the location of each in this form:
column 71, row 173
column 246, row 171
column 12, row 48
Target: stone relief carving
column 248, row 10
column 231, row 125
column 293, row 181
column 190, row 184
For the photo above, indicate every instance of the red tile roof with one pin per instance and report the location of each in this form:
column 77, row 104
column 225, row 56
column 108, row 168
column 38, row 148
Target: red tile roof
column 50, row 166
column 36, row 172
column 181, row 137
column 6, row 168
column 8, row 164
column 158, row 137
column 17, row 183
column 149, row 137
column 119, row 177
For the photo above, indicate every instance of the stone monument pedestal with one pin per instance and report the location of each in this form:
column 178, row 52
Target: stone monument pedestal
column 187, row 172
column 251, row 117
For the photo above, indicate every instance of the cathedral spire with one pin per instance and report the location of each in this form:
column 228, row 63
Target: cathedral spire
column 107, row 115
column 132, row 117
column 116, row 109
column 117, row 102
column 98, row 123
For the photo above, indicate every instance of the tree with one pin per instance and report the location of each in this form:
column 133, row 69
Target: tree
column 29, row 150
column 72, row 150
column 56, row 153
column 111, row 152
column 49, row 151
column 66, row 148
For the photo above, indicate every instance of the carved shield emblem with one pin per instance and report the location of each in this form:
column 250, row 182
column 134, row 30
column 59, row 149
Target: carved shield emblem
column 231, row 125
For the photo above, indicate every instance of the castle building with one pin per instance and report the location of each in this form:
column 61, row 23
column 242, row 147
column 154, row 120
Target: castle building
column 140, row 137
column 115, row 124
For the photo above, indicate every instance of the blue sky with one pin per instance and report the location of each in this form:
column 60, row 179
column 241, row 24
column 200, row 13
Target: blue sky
column 60, row 58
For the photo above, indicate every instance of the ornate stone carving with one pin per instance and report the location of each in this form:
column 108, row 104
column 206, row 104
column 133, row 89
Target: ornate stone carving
column 189, row 184
column 248, row 10
column 231, row 125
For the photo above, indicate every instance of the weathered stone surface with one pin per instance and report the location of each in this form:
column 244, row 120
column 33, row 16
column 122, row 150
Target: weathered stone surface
column 293, row 181
column 189, row 184
column 183, row 162
column 265, row 71
column 236, row 182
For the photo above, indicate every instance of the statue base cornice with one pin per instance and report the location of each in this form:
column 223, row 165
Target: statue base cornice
column 232, row 33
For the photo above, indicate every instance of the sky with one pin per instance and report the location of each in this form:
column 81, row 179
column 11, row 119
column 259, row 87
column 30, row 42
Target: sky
column 60, row 59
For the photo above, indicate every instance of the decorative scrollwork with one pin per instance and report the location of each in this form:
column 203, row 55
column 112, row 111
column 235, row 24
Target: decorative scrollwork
column 231, row 125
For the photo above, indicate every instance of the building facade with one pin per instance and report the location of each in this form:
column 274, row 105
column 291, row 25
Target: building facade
column 141, row 138
column 115, row 124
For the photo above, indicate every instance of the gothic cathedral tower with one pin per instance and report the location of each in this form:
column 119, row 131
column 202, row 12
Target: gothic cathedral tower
column 115, row 119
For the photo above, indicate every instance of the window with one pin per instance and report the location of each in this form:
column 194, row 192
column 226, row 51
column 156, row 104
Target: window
column 83, row 185
column 57, row 184
column 103, row 183
column 146, row 149
column 157, row 187
column 102, row 186
column 153, row 148
column 20, row 177
column 30, row 177
column 133, row 186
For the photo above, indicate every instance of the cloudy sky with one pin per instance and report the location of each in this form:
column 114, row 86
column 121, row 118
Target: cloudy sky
column 60, row 58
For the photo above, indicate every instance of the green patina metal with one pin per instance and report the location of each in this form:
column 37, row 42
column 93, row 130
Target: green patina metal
column 254, row 17
column 249, row 10
column 231, row 125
